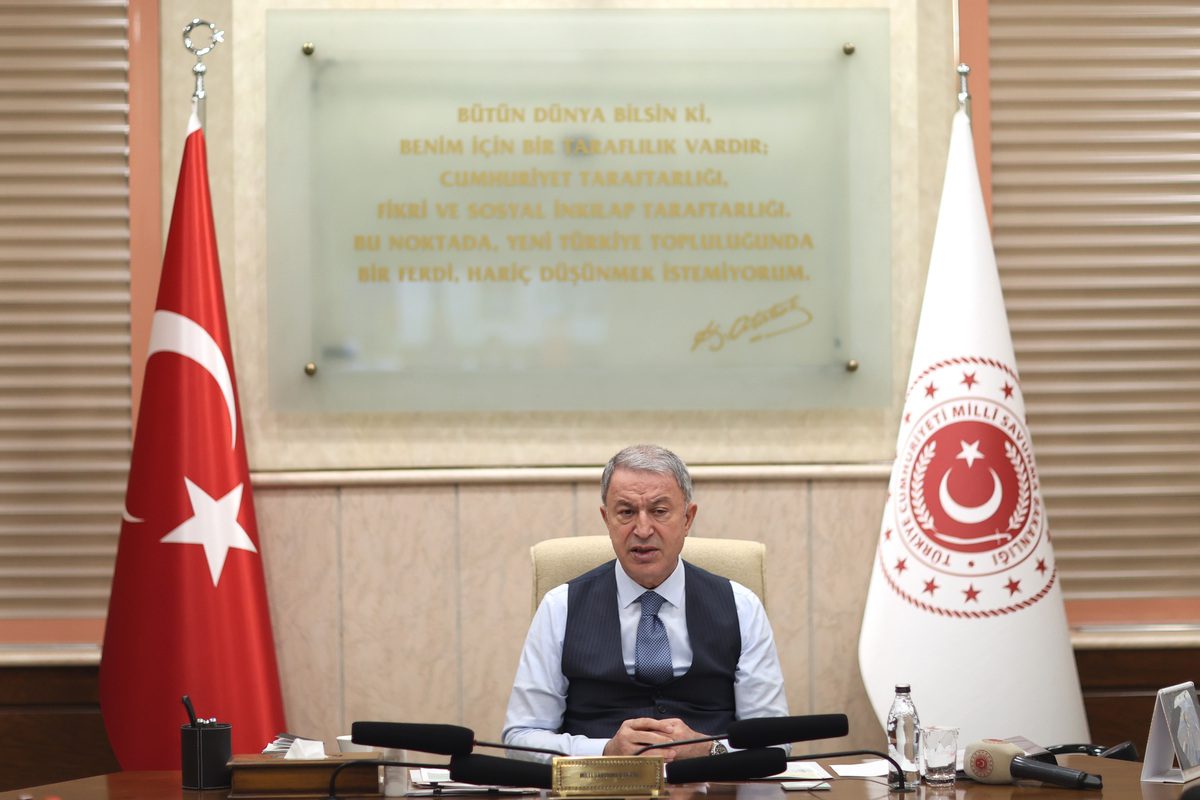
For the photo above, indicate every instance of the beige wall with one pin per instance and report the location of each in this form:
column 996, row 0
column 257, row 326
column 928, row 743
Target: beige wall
column 922, row 93
column 410, row 603
column 404, row 600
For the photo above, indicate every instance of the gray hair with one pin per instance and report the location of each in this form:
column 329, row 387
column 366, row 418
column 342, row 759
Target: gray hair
column 648, row 458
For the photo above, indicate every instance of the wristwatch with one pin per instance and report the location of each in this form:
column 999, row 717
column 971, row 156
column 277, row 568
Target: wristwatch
column 717, row 749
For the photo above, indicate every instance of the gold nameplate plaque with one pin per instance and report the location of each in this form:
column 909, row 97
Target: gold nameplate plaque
column 608, row 775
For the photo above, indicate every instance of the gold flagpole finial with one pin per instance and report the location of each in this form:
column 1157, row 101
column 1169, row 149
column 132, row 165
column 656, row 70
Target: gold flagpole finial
column 964, row 97
column 217, row 36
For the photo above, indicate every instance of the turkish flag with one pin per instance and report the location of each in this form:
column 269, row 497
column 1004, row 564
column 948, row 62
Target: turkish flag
column 188, row 612
column 964, row 602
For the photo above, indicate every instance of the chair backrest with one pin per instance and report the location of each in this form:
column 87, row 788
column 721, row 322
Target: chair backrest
column 556, row 561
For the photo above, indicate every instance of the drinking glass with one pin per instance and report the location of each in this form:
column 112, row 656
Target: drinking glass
column 939, row 747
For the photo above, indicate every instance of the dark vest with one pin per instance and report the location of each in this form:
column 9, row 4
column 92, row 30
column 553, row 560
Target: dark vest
column 601, row 695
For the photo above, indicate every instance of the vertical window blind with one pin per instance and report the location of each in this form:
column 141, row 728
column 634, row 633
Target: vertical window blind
column 64, row 303
column 1096, row 207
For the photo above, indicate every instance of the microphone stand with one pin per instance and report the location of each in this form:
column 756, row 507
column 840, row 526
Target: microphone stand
column 543, row 750
column 378, row 762
column 747, row 734
column 900, row 786
column 716, row 738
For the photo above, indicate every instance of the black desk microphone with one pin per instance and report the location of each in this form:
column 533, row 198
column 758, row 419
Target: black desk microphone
column 744, row 765
column 446, row 740
column 495, row 771
column 746, row 734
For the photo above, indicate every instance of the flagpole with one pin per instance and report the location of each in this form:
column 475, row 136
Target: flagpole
column 218, row 36
column 964, row 97
column 954, row 10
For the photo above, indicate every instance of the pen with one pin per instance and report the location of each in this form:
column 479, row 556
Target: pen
column 187, row 703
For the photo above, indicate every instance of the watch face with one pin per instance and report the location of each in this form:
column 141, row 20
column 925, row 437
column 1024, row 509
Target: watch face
column 717, row 749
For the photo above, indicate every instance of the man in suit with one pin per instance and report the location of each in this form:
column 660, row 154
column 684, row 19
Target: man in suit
column 647, row 648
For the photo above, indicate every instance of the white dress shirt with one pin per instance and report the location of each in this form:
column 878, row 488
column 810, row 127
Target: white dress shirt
column 539, row 694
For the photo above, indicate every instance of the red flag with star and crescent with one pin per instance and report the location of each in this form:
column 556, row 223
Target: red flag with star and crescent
column 188, row 612
column 964, row 602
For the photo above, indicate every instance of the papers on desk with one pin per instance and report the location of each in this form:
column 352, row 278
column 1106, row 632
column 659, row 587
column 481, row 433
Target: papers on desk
column 867, row 769
column 426, row 781
column 809, row 776
column 803, row 776
column 803, row 771
column 805, row 786
column 428, row 777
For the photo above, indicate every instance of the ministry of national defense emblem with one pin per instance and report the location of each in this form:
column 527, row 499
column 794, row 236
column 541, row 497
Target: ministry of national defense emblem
column 965, row 533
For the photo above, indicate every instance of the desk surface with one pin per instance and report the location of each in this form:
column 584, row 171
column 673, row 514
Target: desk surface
column 1122, row 780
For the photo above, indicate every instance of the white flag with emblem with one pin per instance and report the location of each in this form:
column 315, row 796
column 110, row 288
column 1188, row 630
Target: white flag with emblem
column 964, row 602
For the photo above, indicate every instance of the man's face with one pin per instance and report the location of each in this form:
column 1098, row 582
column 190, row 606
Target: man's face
column 647, row 520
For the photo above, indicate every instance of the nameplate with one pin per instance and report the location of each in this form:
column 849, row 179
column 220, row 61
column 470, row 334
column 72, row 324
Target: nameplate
column 608, row 775
column 1173, row 747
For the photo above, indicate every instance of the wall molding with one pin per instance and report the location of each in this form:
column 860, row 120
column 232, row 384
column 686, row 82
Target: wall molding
column 549, row 475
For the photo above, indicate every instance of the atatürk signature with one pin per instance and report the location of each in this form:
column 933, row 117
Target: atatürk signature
column 715, row 337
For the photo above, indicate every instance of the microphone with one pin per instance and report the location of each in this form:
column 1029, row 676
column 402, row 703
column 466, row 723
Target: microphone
column 746, row 734
column 494, row 771
column 446, row 740
column 744, row 765
column 767, row 731
column 997, row 761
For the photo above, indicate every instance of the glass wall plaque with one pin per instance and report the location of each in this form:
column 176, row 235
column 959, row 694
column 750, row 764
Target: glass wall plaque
column 578, row 210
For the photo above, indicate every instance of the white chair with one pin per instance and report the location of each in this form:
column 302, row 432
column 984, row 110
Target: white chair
column 556, row 561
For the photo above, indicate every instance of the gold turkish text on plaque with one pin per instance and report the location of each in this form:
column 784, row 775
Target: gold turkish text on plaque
column 608, row 775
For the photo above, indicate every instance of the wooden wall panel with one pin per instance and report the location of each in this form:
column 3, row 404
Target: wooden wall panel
column 1119, row 687
column 50, row 726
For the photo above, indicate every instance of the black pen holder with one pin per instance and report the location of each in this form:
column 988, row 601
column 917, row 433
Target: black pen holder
column 206, row 751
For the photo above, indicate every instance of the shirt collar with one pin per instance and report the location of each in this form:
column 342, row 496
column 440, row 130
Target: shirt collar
column 629, row 590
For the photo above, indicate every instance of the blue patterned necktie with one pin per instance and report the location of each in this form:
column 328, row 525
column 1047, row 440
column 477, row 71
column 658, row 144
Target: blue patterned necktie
column 652, row 650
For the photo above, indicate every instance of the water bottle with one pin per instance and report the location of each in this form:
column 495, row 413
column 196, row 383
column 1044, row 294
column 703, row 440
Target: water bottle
column 904, row 733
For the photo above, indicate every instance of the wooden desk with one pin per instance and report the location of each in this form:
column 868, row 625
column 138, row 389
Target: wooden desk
column 1122, row 781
